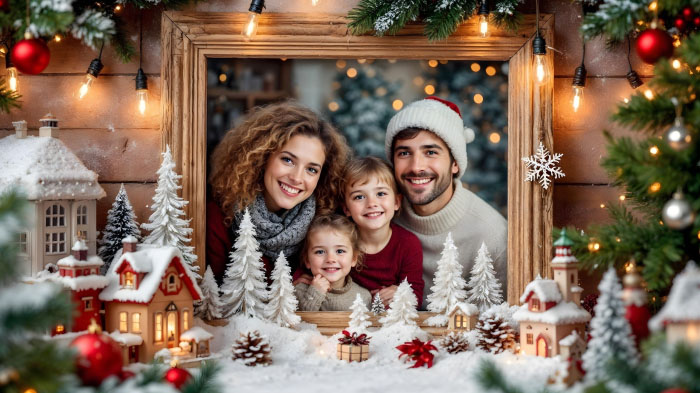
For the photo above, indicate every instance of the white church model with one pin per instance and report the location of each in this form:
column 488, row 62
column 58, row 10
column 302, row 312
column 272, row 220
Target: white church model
column 63, row 193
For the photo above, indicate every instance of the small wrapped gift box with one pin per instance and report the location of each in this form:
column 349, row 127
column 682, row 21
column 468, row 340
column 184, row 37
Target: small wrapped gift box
column 353, row 353
column 353, row 348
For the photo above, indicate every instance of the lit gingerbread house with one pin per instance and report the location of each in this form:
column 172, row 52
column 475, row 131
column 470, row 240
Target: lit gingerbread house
column 79, row 275
column 62, row 190
column 551, row 309
column 463, row 317
column 680, row 316
column 151, row 293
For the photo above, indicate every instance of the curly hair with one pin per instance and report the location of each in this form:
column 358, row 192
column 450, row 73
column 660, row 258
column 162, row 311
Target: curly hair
column 238, row 162
column 334, row 222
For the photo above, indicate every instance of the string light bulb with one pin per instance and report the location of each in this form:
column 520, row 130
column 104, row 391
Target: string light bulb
column 578, row 85
column 141, row 90
column 540, row 62
column 250, row 28
column 12, row 75
column 314, row 3
column 141, row 78
column 593, row 245
column 91, row 75
column 484, row 19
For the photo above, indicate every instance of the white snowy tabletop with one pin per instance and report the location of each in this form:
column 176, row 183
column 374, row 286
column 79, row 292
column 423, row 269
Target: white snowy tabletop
column 45, row 169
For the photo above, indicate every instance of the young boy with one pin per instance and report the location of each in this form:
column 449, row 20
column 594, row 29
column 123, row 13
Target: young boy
column 391, row 252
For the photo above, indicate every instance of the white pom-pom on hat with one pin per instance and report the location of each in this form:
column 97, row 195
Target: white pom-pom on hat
column 438, row 116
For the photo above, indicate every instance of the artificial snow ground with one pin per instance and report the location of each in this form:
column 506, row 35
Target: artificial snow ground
column 304, row 361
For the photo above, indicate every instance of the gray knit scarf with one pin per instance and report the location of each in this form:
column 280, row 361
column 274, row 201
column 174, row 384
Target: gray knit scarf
column 279, row 233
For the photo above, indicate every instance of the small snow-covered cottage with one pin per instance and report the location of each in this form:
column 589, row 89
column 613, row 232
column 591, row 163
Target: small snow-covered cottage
column 680, row 316
column 63, row 192
column 463, row 317
column 151, row 294
column 79, row 275
column 571, row 349
column 551, row 309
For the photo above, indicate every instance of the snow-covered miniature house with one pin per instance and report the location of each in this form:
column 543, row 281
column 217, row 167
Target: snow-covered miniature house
column 680, row 316
column 80, row 275
column 198, row 340
column 151, row 294
column 463, row 317
column 551, row 309
column 571, row 349
column 63, row 192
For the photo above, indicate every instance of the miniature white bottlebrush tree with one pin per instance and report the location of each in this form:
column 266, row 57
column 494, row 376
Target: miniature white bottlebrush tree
column 359, row 318
column 377, row 306
column 611, row 334
column 402, row 309
column 484, row 287
column 166, row 225
column 121, row 222
column 244, row 286
column 210, row 307
column 283, row 304
column 448, row 285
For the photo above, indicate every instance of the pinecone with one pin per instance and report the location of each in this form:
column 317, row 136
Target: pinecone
column 495, row 335
column 455, row 342
column 252, row 349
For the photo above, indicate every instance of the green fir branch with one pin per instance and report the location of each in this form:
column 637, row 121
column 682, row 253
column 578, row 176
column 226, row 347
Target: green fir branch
column 444, row 21
column 122, row 45
column 689, row 50
column 506, row 16
column 40, row 364
column 8, row 99
column 645, row 115
column 204, row 381
column 615, row 19
column 364, row 15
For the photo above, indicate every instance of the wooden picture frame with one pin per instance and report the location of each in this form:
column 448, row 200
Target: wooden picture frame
column 189, row 38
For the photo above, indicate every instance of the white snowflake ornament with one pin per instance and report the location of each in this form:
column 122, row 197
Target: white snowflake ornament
column 543, row 165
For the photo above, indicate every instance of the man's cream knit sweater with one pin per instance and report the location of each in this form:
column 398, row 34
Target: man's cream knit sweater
column 471, row 221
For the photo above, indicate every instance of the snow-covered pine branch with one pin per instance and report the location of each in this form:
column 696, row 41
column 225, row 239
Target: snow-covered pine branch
column 484, row 287
column 210, row 307
column 121, row 222
column 166, row 225
column 359, row 318
column 448, row 288
column 402, row 309
column 611, row 335
column 92, row 28
column 282, row 303
column 244, row 288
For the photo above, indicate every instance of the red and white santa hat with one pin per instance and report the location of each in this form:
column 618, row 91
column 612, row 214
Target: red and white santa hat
column 439, row 116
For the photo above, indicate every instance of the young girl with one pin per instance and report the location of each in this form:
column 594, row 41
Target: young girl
column 284, row 164
column 391, row 252
column 330, row 252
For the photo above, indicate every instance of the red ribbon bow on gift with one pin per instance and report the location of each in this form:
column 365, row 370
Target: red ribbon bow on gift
column 418, row 351
column 354, row 339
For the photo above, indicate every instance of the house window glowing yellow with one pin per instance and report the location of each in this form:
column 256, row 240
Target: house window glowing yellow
column 128, row 280
column 158, row 326
column 459, row 321
column 123, row 326
column 185, row 320
column 171, row 326
column 535, row 304
column 136, row 322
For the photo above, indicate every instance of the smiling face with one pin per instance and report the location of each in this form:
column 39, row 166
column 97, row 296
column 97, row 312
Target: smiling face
column 292, row 173
column 330, row 254
column 424, row 171
column 371, row 203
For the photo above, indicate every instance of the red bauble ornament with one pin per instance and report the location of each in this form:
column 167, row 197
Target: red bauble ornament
column 675, row 390
column 687, row 13
column 30, row 56
column 679, row 23
column 4, row 5
column 696, row 21
column 99, row 357
column 177, row 376
column 653, row 44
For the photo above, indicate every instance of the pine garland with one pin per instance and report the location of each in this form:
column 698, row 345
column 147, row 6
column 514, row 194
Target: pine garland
column 441, row 17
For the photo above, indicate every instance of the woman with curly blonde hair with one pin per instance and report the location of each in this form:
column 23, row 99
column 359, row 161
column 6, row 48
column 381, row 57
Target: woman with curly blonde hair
column 284, row 164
